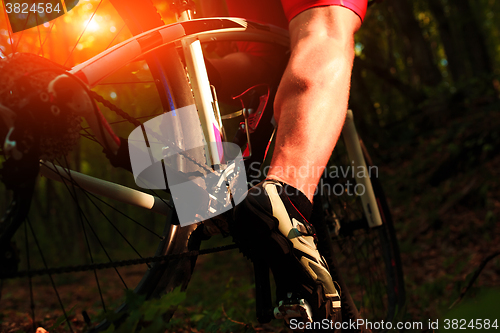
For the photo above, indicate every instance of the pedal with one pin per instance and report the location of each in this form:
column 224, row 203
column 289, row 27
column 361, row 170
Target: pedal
column 293, row 307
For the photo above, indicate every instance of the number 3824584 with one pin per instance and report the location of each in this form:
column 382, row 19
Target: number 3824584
column 27, row 8
column 478, row 324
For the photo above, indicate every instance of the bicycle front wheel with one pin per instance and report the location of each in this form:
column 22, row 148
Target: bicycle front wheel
column 366, row 260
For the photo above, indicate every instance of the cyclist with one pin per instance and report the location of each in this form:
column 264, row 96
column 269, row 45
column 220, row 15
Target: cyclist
column 272, row 221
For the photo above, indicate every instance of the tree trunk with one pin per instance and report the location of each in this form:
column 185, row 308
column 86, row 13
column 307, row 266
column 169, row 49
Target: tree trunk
column 416, row 96
column 473, row 37
column 457, row 61
column 361, row 103
column 423, row 61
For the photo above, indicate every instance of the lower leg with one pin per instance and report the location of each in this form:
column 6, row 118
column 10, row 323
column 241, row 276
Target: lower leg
column 312, row 98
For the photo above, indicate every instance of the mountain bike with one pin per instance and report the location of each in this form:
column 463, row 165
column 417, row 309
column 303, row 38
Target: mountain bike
column 103, row 225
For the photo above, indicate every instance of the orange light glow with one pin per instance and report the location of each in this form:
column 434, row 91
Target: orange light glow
column 93, row 26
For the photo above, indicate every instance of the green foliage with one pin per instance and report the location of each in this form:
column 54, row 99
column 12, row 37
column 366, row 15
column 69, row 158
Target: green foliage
column 61, row 319
column 481, row 307
column 146, row 316
column 220, row 295
column 228, row 314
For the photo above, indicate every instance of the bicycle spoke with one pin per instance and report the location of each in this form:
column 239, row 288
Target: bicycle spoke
column 50, row 275
column 92, row 261
column 99, row 287
column 365, row 292
column 39, row 35
column 90, row 137
column 379, row 260
column 374, row 282
column 22, row 33
column 113, row 225
column 89, row 249
column 87, row 193
column 91, row 258
column 119, row 31
column 85, row 29
column 369, row 284
column 11, row 40
column 162, row 200
column 361, row 271
column 124, row 121
column 123, row 83
column 47, row 37
column 32, row 303
column 126, row 216
column 73, row 196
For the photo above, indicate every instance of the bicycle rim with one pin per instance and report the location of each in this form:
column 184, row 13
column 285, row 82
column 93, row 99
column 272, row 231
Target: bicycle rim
column 367, row 259
column 69, row 226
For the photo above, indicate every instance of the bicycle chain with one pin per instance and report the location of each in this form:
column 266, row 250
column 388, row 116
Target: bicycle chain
column 80, row 268
column 114, row 108
column 122, row 263
column 129, row 262
column 136, row 123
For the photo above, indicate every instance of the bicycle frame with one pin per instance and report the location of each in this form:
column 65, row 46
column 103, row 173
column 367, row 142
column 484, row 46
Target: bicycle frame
column 351, row 139
column 190, row 34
